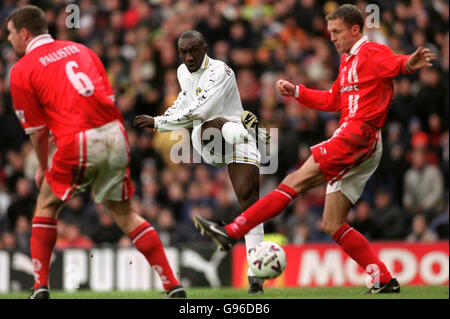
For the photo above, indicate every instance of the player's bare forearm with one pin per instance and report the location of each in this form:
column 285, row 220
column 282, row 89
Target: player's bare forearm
column 40, row 142
column 142, row 121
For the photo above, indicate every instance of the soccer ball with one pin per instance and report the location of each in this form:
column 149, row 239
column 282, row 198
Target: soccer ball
column 267, row 260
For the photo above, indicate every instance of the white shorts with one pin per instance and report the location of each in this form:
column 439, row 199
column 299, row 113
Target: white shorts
column 353, row 182
column 99, row 157
column 246, row 153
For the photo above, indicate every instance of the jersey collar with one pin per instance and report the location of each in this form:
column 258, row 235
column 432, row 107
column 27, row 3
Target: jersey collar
column 205, row 62
column 355, row 48
column 38, row 41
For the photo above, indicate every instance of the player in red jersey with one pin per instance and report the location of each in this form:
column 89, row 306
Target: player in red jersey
column 60, row 88
column 362, row 94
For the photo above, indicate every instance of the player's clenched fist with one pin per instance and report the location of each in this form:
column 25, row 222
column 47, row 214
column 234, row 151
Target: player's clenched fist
column 285, row 88
column 142, row 121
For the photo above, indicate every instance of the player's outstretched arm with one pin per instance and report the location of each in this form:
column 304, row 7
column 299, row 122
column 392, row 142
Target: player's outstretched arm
column 142, row 121
column 422, row 57
column 315, row 99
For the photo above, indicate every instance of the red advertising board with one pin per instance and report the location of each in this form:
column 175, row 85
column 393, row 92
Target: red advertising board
column 313, row 265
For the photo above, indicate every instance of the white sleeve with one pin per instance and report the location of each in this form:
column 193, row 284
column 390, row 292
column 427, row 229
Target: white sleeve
column 176, row 108
column 209, row 101
column 180, row 102
column 177, row 105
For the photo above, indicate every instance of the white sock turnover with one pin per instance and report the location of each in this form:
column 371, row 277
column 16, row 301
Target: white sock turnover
column 235, row 133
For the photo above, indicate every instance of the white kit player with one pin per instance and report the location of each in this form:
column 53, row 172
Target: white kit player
column 209, row 98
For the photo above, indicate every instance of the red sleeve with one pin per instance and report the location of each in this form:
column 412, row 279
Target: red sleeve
column 102, row 72
column 386, row 64
column 327, row 101
column 26, row 104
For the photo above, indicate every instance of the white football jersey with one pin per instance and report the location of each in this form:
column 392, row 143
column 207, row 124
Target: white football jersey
column 206, row 94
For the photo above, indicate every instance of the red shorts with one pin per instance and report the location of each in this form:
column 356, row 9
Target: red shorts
column 99, row 158
column 351, row 144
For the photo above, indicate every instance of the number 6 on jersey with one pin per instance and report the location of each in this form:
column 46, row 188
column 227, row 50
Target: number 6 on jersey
column 80, row 81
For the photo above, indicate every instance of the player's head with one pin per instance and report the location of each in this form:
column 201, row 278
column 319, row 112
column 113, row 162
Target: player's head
column 345, row 25
column 192, row 48
column 23, row 25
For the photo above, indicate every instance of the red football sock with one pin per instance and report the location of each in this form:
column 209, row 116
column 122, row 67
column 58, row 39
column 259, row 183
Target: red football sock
column 267, row 207
column 43, row 239
column 147, row 241
column 358, row 248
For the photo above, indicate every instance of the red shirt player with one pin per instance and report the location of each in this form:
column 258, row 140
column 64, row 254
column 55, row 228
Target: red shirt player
column 61, row 87
column 362, row 94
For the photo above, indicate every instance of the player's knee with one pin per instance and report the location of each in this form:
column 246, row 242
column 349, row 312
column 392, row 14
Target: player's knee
column 305, row 178
column 295, row 181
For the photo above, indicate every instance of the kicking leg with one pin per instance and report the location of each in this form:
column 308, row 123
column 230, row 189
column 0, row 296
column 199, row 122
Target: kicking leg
column 334, row 223
column 147, row 241
column 271, row 205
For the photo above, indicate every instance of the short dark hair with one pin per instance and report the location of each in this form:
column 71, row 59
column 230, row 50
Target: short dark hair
column 348, row 13
column 192, row 34
column 29, row 17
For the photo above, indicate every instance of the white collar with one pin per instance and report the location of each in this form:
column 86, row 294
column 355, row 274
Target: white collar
column 205, row 62
column 355, row 48
column 38, row 41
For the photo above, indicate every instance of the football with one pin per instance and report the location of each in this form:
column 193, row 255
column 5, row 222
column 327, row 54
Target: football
column 267, row 260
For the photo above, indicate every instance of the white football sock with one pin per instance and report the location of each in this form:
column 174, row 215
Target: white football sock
column 253, row 237
column 235, row 133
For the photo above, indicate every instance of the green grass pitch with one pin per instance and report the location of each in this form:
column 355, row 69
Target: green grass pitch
column 407, row 292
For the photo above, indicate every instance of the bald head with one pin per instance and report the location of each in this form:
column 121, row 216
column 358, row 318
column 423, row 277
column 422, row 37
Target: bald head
column 189, row 34
column 192, row 48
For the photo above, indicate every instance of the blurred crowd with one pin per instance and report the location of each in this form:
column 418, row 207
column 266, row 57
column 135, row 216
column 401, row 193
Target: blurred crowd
column 262, row 41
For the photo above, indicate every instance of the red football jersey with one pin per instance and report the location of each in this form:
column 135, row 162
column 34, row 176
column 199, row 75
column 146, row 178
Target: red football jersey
column 61, row 85
column 364, row 89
